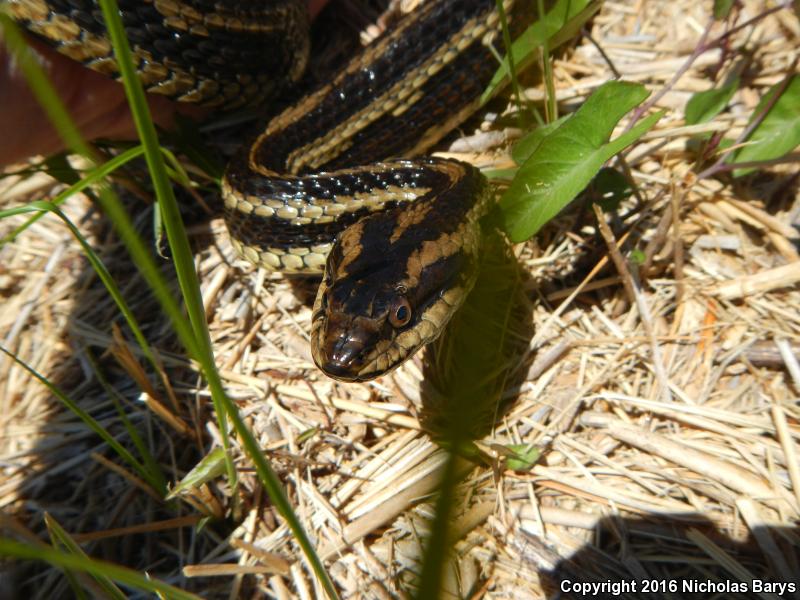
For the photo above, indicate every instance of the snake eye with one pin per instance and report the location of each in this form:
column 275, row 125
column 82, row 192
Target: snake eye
column 400, row 312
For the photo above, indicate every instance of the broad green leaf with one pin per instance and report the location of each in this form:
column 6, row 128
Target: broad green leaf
column 526, row 146
column 704, row 106
column 211, row 467
column 722, row 8
column 567, row 159
column 778, row 133
column 562, row 23
column 499, row 174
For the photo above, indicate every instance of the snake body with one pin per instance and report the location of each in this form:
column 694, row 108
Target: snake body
column 399, row 239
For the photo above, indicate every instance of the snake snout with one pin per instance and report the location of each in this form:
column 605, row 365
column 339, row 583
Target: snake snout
column 346, row 347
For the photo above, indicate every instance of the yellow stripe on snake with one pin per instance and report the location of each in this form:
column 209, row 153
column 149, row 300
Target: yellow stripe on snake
column 331, row 184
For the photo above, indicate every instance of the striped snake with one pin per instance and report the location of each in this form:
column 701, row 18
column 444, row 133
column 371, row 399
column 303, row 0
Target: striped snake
column 398, row 240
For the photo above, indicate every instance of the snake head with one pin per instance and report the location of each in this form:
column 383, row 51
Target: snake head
column 377, row 307
column 354, row 335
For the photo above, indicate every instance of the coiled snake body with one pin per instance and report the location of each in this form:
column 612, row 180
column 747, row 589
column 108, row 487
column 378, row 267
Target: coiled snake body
column 397, row 240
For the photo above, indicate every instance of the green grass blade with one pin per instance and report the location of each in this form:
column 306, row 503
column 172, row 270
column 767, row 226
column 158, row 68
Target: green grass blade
column 168, row 205
column 158, row 481
column 469, row 367
column 551, row 106
column 560, row 24
column 88, row 420
column 440, row 543
column 94, row 176
column 512, row 67
column 198, row 337
column 96, row 568
column 62, row 539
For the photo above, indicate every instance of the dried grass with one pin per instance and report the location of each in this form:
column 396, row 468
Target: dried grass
column 666, row 410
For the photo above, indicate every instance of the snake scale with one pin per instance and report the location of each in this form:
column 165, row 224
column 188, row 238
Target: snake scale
column 326, row 187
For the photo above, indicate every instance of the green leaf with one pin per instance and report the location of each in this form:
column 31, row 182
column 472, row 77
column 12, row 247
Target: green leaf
column 637, row 257
column 307, row 434
column 559, row 25
column 722, row 8
column 210, row 467
column 704, row 106
column 527, row 145
column 567, row 159
column 778, row 133
column 608, row 189
column 522, row 457
column 499, row 174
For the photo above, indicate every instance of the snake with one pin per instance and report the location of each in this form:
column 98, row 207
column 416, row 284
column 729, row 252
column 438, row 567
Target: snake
column 337, row 184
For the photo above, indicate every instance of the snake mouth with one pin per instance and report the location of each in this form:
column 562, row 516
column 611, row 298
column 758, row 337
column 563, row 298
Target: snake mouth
column 343, row 346
column 341, row 359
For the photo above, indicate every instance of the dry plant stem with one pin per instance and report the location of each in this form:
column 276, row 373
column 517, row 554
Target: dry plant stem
column 626, row 169
column 657, row 241
column 725, row 560
column 540, row 334
column 699, row 49
column 768, row 354
column 758, row 283
column 388, row 510
column 792, row 157
column 635, row 296
column 125, row 474
column 585, row 33
column 790, row 360
column 717, row 41
column 788, row 446
column 185, row 521
column 760, row 528
column 703, row 463
column 677, row 243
